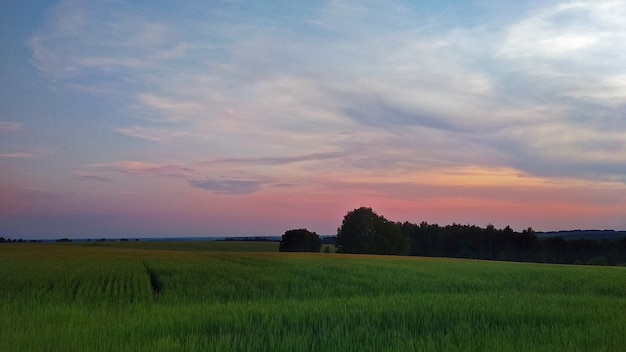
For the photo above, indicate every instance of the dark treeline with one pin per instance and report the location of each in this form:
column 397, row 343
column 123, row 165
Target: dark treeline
column 562, row 251
column 469, row 241
column 8, row 240
column 364, row 231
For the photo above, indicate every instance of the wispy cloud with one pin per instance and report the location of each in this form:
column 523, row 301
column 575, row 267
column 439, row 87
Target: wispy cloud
column 134, row 168
column 6, row 126
column 228, row 186
column 567, row 57
column 22, row 155
column 154, row 134
column 169, row 109
column 90, row 176
column 278, row 160
column 352, row 88
column 80, row 39
column 572, row 51
column 566, row 29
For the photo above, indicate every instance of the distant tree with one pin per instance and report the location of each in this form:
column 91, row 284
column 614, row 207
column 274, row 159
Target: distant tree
column 364, row 231
column 300, row 240
column 528, row 246
column 426, row 239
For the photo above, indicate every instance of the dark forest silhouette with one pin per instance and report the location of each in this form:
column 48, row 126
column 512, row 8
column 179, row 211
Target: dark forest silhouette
column 364, row 231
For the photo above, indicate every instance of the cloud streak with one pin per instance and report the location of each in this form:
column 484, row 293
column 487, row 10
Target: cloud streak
column 229, row 187
column 21, row 155
column 153, row 134
column 135, row 168
column 6, row 126
column 66, row 48
column 279, row 160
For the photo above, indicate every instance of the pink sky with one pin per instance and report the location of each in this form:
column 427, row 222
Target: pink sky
column 246, row 119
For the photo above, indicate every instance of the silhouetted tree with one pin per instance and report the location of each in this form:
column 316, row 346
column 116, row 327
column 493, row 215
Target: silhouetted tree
column 528, row 247
column 364, row 231
column 300, row 240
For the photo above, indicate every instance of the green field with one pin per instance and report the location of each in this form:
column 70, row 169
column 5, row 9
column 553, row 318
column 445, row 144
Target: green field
column 192, row 246
column 202, row 297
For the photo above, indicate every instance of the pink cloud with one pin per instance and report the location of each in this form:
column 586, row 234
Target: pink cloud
column 6, row 126
column 21, row 155
column 136, row 168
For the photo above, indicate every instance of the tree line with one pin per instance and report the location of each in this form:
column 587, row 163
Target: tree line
column 15, row 240
column 364, row 231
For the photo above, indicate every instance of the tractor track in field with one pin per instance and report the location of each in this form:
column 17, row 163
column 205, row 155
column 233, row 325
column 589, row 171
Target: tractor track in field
column 155, row 282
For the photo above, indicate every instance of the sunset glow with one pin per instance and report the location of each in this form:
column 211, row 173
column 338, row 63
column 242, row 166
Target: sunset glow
column 232, row 118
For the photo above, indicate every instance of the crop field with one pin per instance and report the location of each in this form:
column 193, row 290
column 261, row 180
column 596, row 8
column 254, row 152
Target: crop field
column 193, row 246
column 198, row 297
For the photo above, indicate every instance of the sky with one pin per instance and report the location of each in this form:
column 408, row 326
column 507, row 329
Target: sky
column 246, row 118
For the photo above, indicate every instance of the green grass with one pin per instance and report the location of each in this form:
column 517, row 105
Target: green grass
column 194, row 297
column 192, row 246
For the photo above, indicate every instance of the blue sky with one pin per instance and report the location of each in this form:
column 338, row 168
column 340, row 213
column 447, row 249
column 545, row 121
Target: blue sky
column 251, row 118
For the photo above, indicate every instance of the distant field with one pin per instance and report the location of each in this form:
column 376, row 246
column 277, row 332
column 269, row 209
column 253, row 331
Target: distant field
column 193, row 246
column 150, row 296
